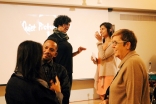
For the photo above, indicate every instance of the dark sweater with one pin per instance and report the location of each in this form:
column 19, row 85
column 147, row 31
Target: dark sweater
column 22, row 91
column 64, row 56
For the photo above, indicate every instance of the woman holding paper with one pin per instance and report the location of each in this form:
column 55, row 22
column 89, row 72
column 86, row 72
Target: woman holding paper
column 106, row 62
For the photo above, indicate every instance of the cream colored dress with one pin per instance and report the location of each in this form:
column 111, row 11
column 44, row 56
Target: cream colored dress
column 106, row 68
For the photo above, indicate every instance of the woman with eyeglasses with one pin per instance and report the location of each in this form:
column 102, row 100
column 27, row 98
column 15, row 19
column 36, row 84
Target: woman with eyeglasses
column 106, row 62
column 130, row 86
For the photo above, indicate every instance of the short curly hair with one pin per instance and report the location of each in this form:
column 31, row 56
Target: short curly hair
column 127, row 36
column 61, row 19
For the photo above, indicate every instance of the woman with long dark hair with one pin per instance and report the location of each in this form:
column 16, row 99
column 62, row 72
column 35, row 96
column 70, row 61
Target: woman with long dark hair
column 106, row 62
column 26, row 85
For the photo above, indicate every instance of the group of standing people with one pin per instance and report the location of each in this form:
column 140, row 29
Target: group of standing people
column 43, row 73
column 49, row 72
column 126, row 83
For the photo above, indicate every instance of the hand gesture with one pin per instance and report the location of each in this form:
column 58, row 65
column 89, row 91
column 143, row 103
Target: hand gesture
column 80, row 49
column 55, row 86
column 98, row 36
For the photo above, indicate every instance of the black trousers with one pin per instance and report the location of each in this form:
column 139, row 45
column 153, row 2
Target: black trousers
column 70, row 75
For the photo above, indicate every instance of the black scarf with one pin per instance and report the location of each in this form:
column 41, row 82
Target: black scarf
column 60, row 34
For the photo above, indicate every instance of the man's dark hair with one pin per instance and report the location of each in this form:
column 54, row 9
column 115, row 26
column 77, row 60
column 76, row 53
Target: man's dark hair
column 61, row 19
column 51, row 38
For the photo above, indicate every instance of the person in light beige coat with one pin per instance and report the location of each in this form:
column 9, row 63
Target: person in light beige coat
column 106, row 62
column 131, row 85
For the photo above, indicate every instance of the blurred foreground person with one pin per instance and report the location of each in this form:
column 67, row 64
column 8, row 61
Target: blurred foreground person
column 26, row 85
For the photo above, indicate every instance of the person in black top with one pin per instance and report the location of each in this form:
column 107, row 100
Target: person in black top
column 65, row 50
column 51, row 69
column 26, row 85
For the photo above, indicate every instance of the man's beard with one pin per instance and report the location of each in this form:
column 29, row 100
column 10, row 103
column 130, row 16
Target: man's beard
column 46, row 60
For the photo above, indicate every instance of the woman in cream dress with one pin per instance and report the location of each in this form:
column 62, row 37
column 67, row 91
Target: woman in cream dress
column 106, row 62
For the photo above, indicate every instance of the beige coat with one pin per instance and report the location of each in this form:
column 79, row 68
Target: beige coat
column 131, row 85
column 108, row 65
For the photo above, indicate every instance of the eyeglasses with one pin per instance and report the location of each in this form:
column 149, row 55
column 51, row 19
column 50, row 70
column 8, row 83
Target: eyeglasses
column 115, row 42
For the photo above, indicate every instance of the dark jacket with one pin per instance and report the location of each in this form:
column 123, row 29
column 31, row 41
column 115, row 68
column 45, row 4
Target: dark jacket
column 64, row 57
column 52, row 69
column 22, row 91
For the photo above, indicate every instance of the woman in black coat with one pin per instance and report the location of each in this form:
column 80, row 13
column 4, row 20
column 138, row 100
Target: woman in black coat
column 26, row 85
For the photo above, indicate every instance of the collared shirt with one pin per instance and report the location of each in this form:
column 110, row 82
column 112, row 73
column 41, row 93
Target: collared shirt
column 51, row 69
column 49, row 72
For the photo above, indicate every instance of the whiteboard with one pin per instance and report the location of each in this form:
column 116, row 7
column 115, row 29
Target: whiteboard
column 27, row 22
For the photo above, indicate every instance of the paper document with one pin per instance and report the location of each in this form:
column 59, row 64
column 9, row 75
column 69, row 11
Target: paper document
column 93, row 55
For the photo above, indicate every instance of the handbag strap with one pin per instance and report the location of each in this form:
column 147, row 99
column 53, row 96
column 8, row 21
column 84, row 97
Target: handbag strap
column 107, row 91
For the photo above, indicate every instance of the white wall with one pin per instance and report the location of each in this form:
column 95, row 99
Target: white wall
column 145, row 32
column 132, row 4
